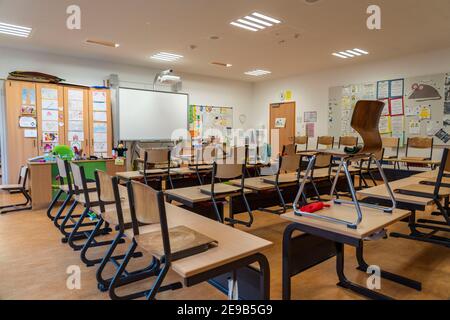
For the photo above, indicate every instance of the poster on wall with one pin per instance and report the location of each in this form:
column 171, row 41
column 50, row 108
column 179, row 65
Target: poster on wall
column 204, row 119
column 311, row 116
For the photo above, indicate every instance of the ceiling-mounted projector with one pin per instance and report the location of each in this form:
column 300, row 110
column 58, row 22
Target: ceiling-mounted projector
column 169, row 79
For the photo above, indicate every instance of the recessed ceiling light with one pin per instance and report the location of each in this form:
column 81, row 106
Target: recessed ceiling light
column 228, row 65
column 257, row 73
column 13, row 30
column 103, row 43
column 361, row 51
column 165, row 56
column 350, row 53
column 259, row 15
column 255, row 22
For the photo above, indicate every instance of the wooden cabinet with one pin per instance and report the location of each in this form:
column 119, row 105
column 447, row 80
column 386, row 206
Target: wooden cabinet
column 19, row 149
column 50, row 115
column 64, row 114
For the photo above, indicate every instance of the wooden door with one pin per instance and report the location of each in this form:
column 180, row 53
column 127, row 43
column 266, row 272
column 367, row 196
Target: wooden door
column 20, row 102
column 76, row 104
column 282, row 121
column 100, row 123
column 51, row 115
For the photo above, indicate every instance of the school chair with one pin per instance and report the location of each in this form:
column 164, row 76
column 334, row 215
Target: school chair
column 392, row 144
column 321, row 172
column 204, row 158
column 301, row 141
column 114, row 210
column 88, row 198
column 234, row 169
column 431, row 190
column 147, row 207
column 289, row 150
column 158, row 157
column 288, row 173
column 347, row 141
column 418, row 143
column 20, row 187
column 325, row 141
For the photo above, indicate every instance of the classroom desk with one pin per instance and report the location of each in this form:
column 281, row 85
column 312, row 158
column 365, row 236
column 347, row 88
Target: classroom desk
column 325, row 239
column 43, row 178
column 432, row 163
column 379, row 195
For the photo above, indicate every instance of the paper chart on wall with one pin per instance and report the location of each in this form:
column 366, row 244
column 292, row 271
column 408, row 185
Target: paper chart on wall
column 50, row 137
column 75, row 95
column 50, row 104
column 100, row 116
column 99, row 106
column 411, row 111
column 75, row 115
column 396, row 88
column 49, row 94
column 414, row 127
column 49, row 115
column 30, row 133
column 76, row 126
column 382, row 90
column 433, row 127
column 76, row 105
column 385, row 125
column 100, row 147
column 385, row 111
column 50, row 126
column 27, row 122
column 311, row 116
column 396, row 107
column 100, row 127
column 99, row 96
column 100, row 137
column 424, row 112
column 76, row 136
column 398, row 125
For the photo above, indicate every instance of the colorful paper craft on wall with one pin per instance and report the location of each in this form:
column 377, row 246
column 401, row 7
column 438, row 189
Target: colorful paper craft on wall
column 423, row 92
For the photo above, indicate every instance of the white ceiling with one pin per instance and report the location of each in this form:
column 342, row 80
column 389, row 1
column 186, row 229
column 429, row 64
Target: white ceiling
column 145, row 27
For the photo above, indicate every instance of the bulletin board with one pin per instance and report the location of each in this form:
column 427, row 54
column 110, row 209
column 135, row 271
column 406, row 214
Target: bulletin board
column 205, row 118
column 417, row 106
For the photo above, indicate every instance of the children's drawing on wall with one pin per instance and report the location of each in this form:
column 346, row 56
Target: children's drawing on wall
column 424, row 92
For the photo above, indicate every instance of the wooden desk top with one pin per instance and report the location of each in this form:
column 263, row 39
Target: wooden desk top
column 443, row 192
column 373, row 220
column 131, row 175
column 380, row 192
column 194, row 194
column 233, row 244
column 256, row 184
column 416, row 161
column 34, row 163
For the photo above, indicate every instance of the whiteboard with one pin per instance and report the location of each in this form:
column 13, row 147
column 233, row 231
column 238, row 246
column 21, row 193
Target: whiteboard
column 151, row 115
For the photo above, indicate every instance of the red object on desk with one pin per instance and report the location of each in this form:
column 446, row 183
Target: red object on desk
column 314, row 207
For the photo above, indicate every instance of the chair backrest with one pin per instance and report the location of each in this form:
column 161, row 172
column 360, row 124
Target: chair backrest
column 228, row 171
column 147, row 206
column 348, row 141
column 23, row 175
column 238, row 155
column 391, row 142
column 444, row 167
column 105, row 188
column 289, row 150
column 327, row 141
column 157, row 156
column 302, row 141
column 79, row 180
column 289, row 164
column 323, row 161
column 419, row 143
column 63, row 173
column 210, row 154
column 368, row 126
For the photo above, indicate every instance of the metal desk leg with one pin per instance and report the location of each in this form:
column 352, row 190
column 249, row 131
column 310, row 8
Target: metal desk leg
column 347, row 284
column 363, row 266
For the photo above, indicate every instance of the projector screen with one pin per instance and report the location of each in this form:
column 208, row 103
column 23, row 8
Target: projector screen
column 151, row 115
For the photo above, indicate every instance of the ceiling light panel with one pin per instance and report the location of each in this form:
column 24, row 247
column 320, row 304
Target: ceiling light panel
column 353, row 53
column 257, row 73
column 165, row 56
column 14, row 30
column 255, row 22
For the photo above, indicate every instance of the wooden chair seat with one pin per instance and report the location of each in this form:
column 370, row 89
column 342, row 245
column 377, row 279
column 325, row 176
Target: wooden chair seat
column 283, row 178
column 181, row 239
column 110, row 215
column 93, row 196
column 414, row 158
column 65, row 188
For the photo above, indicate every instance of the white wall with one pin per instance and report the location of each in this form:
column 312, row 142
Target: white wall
column 310, row 91
column 203, row 90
